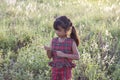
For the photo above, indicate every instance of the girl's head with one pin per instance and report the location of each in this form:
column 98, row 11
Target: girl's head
column 64, row 28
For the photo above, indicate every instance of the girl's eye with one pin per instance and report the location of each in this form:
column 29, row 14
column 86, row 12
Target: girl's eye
column 59, row 30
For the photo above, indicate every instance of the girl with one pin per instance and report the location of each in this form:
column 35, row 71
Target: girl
column 63, row 49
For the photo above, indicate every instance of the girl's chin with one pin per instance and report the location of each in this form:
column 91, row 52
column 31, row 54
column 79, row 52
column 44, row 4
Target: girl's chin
column 62, row 36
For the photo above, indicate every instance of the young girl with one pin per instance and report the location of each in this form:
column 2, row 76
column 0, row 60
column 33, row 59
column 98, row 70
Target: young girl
column 63, row 49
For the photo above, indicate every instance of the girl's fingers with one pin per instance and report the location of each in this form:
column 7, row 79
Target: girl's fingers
column 47, row 48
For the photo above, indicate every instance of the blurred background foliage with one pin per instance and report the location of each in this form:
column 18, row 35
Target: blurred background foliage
column 27, row 25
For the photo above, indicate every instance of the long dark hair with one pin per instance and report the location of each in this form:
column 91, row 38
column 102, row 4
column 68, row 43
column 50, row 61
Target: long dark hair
column 66, row 24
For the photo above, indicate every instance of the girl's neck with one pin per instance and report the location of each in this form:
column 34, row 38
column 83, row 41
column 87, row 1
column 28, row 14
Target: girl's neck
column 62, row 39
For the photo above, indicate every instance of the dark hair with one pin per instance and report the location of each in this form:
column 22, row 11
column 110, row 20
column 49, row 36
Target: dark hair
column 65, row 23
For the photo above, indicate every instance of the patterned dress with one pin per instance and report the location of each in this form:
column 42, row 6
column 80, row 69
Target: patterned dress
column 61, row 67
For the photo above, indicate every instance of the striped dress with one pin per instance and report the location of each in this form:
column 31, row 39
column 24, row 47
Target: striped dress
column 61, row 67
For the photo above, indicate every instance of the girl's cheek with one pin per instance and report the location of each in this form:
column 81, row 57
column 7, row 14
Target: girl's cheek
column 57, row 32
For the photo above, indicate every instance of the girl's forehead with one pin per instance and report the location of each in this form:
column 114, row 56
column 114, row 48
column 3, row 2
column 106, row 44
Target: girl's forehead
column 60, row 28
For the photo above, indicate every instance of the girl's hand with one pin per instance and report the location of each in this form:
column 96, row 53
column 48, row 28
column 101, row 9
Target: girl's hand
column 47, row 48
column 60, row 54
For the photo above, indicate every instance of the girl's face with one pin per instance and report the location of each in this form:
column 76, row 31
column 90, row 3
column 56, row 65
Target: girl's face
column 61, row 32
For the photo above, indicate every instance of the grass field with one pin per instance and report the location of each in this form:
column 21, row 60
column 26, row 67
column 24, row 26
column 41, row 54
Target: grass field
column 27, row 25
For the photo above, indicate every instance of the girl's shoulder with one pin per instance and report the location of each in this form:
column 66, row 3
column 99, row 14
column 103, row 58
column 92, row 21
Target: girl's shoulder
column 67, row 40
column 70, row 39
column 54, row 39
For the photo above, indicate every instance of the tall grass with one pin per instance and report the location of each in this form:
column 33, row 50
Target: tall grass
column 26, row 26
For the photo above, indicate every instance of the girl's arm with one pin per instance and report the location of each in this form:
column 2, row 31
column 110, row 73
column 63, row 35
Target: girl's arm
column 75, row 54
column 49, row 51
column 49, row 54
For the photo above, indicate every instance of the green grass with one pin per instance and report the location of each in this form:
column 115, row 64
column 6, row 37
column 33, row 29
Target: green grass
column 26, row 26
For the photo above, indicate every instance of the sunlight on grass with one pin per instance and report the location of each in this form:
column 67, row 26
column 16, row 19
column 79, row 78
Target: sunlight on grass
column 27, row 25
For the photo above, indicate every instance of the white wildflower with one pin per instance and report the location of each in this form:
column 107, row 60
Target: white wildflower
column 106, row 33
column 107, row 9
column 105, row 47
column 118, row 12
column 30, row 7
column 19, row 8
column 11, row 2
